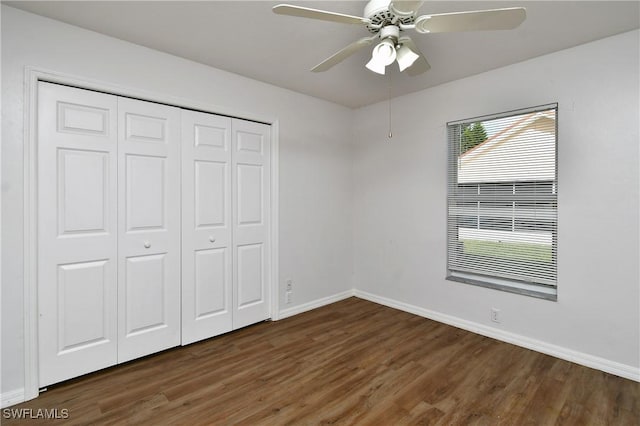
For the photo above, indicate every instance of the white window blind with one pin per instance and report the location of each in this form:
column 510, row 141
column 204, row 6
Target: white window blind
column 502, row 201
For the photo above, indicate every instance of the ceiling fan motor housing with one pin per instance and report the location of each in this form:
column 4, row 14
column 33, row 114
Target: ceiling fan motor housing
column 380, row 14
column 390, row 32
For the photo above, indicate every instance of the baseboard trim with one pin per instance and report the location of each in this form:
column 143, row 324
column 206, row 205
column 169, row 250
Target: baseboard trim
column 315, row 304
column 11, row 398
column 602, row 364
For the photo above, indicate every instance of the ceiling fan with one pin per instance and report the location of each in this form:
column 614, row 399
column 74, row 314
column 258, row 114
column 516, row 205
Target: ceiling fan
column 387, row 20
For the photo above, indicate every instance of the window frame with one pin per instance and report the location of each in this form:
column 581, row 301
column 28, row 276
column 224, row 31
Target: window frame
column 482, row 279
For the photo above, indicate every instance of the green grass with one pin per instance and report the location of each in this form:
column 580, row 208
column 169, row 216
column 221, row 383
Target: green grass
column 513, row 251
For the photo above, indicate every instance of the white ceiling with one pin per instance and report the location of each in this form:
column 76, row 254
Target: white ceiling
column 246, row 38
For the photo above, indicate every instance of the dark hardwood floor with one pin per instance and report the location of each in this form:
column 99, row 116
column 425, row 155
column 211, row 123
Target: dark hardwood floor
column 352, row 362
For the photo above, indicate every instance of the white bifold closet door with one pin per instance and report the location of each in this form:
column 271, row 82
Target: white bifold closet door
column 108, row 230
column 206, row 226
column 153, row 228
column 77, row 232
column 225, row 216
column 149, row 228
column 251, row 221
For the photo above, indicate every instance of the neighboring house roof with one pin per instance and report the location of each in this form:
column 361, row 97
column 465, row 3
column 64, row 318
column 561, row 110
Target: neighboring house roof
column 530, row 140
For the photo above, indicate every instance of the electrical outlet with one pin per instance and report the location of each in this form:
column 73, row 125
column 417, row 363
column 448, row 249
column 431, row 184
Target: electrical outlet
column 495, row 315
column 287, row 297
column 289, row 283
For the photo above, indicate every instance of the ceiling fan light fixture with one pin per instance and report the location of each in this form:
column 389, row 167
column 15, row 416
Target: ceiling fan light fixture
column 385, row 52
column 406, row 57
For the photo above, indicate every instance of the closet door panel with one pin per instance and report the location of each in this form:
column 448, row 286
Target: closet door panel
column 251, row 201
column 146, row 289
column 206, row 226
column 211, row 190
column 149, row 228
column 250, row 278
column 82, row 287
column 210, row 279
column 145, row 193
column 77, row 246
column 250, row 182
column 83, row 188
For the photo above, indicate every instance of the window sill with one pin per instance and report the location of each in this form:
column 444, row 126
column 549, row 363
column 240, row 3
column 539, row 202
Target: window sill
column 540, row 292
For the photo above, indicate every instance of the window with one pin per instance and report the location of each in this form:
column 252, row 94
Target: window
column 502, row 201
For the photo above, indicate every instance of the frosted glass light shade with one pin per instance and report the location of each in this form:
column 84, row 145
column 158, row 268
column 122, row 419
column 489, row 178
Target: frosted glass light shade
column 406, row 57
column 375, row 66
column 382, row 55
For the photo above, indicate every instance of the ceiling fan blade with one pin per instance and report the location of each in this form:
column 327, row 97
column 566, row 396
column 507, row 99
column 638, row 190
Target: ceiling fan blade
column 405, row 7
column 343, row 54
column 323, row 15
column 480, row 20
column 420, row 65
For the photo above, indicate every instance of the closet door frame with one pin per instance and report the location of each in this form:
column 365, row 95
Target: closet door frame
column 32, row 77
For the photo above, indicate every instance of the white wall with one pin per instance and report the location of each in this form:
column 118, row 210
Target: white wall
column 400, row 201
column 315, row 163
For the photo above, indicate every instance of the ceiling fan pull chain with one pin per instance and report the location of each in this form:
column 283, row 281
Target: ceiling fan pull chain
column 390, row 133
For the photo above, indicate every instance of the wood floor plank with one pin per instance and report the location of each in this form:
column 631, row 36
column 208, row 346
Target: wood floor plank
column 351, row 363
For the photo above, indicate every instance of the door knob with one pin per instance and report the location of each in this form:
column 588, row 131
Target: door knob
column 147, row 244
column 212, row 238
